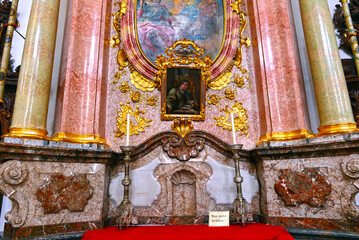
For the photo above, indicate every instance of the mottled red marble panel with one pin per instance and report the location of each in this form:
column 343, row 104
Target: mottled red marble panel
column 60, row 192
column 309, row 186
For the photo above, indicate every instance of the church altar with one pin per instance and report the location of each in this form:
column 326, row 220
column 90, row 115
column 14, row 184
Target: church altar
column 163, row 117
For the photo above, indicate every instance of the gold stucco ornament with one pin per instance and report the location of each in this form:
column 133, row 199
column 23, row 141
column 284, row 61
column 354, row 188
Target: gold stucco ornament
column 239, row 81
column 124, row 87
column 151, row 101
column 230, row 94
column 182, row 126
column 140, row 82
column 121, row 122
column 135, row 96
column 214, row 99
column 224, row 79
column 240, row 121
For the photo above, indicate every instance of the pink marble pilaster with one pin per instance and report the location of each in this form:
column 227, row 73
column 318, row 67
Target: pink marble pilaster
column 283, row 99
column 79, row 95
column 33, row 91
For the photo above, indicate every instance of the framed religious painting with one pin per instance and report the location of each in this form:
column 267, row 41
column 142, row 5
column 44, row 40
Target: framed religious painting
column 183, row 74
column 146, row 28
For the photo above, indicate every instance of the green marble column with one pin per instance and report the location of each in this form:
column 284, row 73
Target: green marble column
column 331, row 91
column 33, row 91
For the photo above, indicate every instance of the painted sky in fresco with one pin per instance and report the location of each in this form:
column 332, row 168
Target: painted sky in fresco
column 161, row 23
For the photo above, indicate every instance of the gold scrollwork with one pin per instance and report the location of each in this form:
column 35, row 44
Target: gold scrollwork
column 223, row 80
column 124, row 87
column 140, row 82
column 182, row 126
column 183, row 53
column 137, row 79
column 240, row 122
column 214, row 99
column 236, row 6
column 116, row 42
column 121, row 122
column 136, row 96
column 151, row 101
column 230, row 94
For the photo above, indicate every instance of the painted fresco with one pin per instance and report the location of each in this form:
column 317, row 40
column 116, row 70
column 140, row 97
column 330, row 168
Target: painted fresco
column 161, row 23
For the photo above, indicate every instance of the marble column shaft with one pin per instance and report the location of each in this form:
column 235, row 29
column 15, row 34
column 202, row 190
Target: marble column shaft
column 80, row 84
column 282, row 81
column 33, row 91
column 328, row 77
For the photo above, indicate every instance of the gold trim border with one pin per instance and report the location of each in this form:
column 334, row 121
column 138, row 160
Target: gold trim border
column 286, row 136
column 340, row 128
column 79, row 138
column 29, row 133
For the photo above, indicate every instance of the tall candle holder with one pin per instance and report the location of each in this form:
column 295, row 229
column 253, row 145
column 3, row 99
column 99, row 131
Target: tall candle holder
column 240, row 211
column 126, row 212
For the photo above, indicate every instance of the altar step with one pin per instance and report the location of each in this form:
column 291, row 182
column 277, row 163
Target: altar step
column 297, row 233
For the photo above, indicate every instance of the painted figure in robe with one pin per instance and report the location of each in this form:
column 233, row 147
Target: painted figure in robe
column 180, row 101
column 155, row 28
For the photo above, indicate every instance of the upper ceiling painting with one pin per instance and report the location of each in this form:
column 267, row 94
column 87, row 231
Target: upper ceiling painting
column 146, row 29
column 160, row 23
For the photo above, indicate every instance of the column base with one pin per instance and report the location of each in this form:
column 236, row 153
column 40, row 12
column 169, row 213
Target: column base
column 286, row 136
column 31, row 133
column 79, row 138
column 333, row 129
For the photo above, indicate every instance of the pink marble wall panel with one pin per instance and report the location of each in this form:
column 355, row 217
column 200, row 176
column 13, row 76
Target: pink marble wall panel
column 80, row 67
column 282, row 70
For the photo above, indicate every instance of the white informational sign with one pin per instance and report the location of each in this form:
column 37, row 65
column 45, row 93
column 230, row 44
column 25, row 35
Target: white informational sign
column 218, row 219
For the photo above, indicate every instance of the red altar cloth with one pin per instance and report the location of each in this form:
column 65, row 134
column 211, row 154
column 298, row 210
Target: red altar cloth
column 254, row 231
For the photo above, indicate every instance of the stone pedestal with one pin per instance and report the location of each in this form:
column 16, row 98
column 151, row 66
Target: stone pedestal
column 310, row 184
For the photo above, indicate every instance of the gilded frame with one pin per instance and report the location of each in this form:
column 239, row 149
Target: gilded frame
column 184, row 57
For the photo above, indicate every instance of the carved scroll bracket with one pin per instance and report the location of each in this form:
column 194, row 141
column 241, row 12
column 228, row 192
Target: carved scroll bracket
column 183, row 148
column 350, row 168
column 12, row 176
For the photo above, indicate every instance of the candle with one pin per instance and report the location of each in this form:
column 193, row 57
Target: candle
column 233, row 130
column 128, row 130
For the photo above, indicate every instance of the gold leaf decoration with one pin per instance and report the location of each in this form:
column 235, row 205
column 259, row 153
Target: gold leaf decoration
column 121, row 122
column 140, row 82
column 124, row 87
column 230, row 94
column 151, row 101
column 223, row 80
column 240, row 121
column 122, row 59
column 136, row 96
column 239, row 81
column 116, row 42
column 182, row 126
column 236, row 6
column 214, row 99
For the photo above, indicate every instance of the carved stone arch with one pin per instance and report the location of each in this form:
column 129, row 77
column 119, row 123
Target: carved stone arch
column 198, row 171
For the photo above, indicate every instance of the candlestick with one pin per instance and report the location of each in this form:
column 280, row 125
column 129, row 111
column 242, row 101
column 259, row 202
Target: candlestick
column 233, row 130
column 128, row 130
